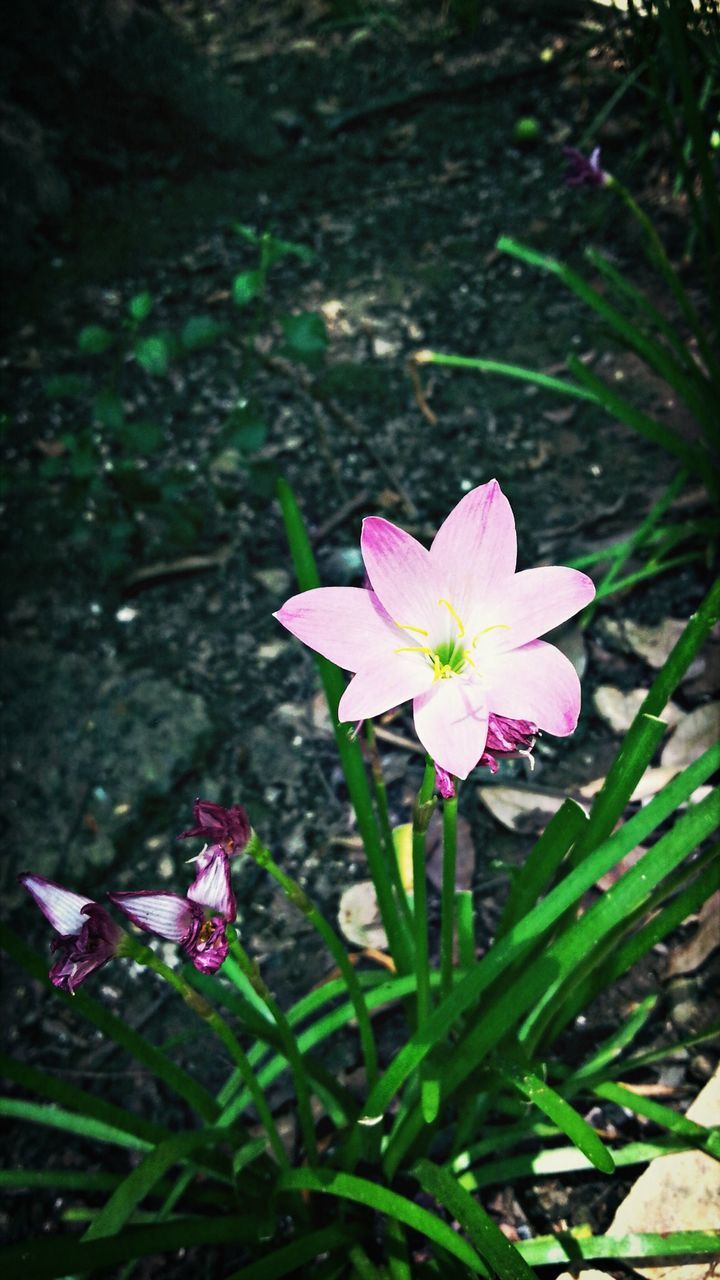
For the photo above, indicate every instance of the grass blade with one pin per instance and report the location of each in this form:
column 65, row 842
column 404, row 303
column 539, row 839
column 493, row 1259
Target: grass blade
column 558, row 1110
column 389, row 1203
column 487, row 1237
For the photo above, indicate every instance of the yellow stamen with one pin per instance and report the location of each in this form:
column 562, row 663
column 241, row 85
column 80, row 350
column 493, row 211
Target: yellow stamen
column 455, row 618
column 467, row 657
column 413, row 648
column 442, row 670
column 403, row 627
column 497, row 626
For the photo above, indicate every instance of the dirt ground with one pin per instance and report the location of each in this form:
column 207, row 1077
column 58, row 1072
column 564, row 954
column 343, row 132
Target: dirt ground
column 389, row 148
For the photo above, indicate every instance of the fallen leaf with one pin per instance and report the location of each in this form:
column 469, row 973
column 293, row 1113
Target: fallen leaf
column 694, row 734
column 571, row 642
column 613, row 875
column 652, row 781
column 651, row 643
column 677, row 1192
column 359, row 917
column 527, row 812
column 688, row 957
column 619, row 709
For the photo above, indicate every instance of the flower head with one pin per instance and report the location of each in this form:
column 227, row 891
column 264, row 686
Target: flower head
column 454, row 628
column 88, row 938
column 584, row 171
column 227, row 827
column 197, row 922
column 444, row 783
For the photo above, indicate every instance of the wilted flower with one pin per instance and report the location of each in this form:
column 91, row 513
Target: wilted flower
column 227, row 827
column 197, row 922
column 444, row 784
column 89, row 937
column 508, row 738
column 584, row 170
column 454, row 628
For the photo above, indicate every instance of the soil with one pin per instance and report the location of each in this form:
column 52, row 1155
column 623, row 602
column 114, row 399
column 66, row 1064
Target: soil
column 402, row 206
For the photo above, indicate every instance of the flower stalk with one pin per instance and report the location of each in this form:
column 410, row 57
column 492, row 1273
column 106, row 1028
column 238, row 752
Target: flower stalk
column 383, row 813
column 422, row 814
column 294, row 1057
column 447, row 903
column 298, row 897
column 202, row 1009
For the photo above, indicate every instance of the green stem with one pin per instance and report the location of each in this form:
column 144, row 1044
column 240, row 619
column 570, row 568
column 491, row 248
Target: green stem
column 447, row 906
column 298, row 897
column 421, row 817
column 381, row 804
column 199, row 1005
column 292, row 1051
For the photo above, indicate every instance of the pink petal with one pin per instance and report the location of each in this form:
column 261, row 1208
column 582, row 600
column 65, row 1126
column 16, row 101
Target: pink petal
column 475, row 547
column 378, row 686
column 166, row 914
column 401, row 573
column 60, row 906
column 537, row 683
column 537, row 600
column 211, row 886
column 344, row 624
column 451, row 721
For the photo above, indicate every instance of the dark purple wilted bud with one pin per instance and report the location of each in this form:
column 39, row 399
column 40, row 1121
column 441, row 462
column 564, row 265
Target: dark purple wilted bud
column 507, row 738
column 584, row 171
column 197, row 922
column 444, row 783
column 89, row 937
column 218, row 825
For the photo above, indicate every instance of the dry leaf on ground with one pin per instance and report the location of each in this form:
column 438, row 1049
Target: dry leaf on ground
column 694, row 734
column 359, row 916
column 677, row 1192
column 619, row 709
column 527, row 812
column 688, row 957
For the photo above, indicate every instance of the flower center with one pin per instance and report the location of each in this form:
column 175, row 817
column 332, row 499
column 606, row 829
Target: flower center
column 451, row 656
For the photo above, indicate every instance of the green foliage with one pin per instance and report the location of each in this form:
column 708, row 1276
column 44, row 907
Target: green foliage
column 306, row 336
column 94, row 340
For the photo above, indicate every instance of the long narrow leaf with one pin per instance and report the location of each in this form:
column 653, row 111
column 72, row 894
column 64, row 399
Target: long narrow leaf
column 642, row 1248
column 116, row 1212
column 485, row 1234
column 69, row 1122
column 282, row 1262
column 115, row 1029
column 54, row 1257
column 360, row 1191
column 534, row 925
column 564, row 1116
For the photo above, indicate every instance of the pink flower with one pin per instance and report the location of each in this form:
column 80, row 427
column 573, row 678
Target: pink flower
column 227, row 827
column 88, row 938
column 584, row 171
column 454, row 628
column 196, row 922
column 444, row 784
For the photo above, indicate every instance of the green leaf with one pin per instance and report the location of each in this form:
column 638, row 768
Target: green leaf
column 679, row 1125
column 272, row 249
column 640, row 1248
column 80, row 1100
column 246, row 286
column 132, row 1191
column 558, row 1110
column 65, row 386
column 531, row 881
column 83, row 1126
column 93, row 340
column 153, row 353
column 360, row 1191
column 108, row 409
column 141, row 438
column 306, row 335
column 201, row 331
column 59, row 1256
column 245, row 429
column 485, row 1234
column 553, row 1161
column 293, row 1256
column 140, row 306
column 114, row 1028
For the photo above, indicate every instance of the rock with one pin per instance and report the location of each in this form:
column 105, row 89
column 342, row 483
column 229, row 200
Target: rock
column 109, row 740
